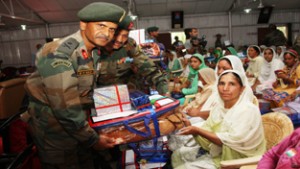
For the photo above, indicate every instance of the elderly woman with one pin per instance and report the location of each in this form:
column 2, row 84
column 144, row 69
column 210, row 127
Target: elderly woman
column 229, row 62
column 206, row 80
column 267, row 74
column 255, row 62
column 288, row 79
column 233, row 130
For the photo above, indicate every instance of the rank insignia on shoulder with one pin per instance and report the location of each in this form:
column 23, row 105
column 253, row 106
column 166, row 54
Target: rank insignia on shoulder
column 84, row 54
column 60, row 62
column 85, row 72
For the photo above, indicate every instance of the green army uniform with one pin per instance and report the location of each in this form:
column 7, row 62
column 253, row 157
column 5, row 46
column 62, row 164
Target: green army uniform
column 115, row 68
column 60, row 93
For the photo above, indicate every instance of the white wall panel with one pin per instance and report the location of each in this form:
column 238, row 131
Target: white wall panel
column 61, row 30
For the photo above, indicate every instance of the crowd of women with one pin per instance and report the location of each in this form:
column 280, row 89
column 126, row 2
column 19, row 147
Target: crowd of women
column 223, row 122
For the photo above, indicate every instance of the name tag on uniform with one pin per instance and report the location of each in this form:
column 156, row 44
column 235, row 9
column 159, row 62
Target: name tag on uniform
column 60, row 62
column 85, row 72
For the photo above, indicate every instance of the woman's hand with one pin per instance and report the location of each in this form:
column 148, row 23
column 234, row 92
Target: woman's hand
column 275, row 84
column 282, row 76
column 188, row 130
column 290, row 97
column 249, row 74
column 185, row 120
column 177, row 89
column 176, row 80
column 192, row 112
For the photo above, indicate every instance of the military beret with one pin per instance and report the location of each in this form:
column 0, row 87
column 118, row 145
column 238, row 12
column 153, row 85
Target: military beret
column 126, row 23
column 101, row 11
column 152, row 29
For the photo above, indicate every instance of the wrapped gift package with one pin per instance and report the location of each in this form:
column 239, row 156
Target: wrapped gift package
column 149, row 154
column 129, row 161
column 143, row 125
column 111, row 99
column 140, row 101
column 264, row 106
column 154, row 150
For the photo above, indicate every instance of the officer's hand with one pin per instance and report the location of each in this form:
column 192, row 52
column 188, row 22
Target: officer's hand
column 104, row 142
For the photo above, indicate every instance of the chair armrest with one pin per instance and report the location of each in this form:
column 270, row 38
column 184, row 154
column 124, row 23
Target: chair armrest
column 176, row 71
column 188, row 98
column 253, row 166
column 237, row 163
column 191, row 96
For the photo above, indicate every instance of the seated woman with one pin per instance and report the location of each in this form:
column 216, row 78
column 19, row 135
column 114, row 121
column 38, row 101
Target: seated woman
column 184, row 75
column 288, row 79
column 255, row 62
column 285, row 155
column 230, row 51
column 191, row 85
column 206, row 80
column 174, row 68
column 280, row 51
column 233, row 129
column 218, row 55
column 229, row 62
column 267, row 73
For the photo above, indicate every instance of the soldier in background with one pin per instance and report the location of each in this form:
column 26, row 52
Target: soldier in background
column 153, row 33
column 60, row 88
column 123, row 62
column 275, row 37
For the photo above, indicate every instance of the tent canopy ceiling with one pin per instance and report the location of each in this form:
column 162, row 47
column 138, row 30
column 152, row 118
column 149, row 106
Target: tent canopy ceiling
column 14, row 13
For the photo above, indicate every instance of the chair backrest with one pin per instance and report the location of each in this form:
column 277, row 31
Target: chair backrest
column 276, row 127
column 12, row 93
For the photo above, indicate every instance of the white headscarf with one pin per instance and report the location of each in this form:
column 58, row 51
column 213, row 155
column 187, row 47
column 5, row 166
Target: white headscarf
column 171, row 62
column 268, row 68
column 283, row 49
column 253, row 46
column 235, row 62
column 208, row 76
column 239, row 127
column 237, row 65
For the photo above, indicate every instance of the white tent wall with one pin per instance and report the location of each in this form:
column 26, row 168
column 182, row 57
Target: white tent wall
column 17, row 46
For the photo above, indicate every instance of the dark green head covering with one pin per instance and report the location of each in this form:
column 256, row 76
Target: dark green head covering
column 201, row 58
column 101, row 11
column 126, row 24
column 220, row 55
column 194, row 72
column 232, row 51
column 152, row 29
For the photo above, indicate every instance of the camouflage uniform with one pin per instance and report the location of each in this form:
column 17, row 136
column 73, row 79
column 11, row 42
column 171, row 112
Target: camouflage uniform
column 116, row 68
column 59, row 92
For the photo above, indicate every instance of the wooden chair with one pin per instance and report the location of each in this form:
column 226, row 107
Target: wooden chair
column 276, row 127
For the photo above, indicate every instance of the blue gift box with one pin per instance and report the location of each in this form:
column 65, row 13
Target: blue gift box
column 140, row 100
